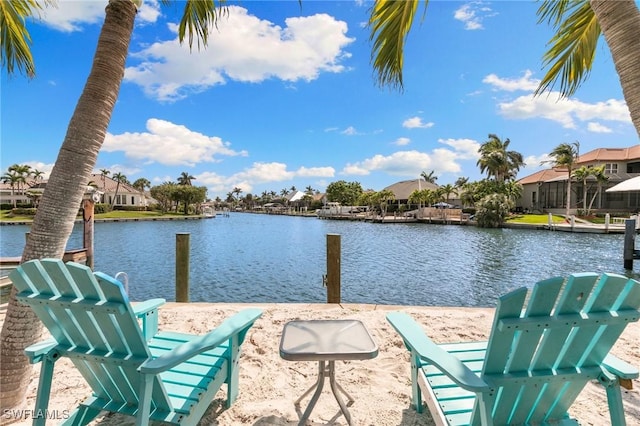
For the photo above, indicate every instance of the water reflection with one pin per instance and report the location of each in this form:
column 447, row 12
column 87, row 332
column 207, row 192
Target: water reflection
column 258, row 258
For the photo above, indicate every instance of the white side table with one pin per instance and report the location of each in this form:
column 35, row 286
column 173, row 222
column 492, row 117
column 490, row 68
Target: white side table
column 326, row 341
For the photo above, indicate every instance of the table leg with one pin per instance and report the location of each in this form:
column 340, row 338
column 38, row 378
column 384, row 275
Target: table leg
column 323, row 373
column 334, row 388
column 318, row 386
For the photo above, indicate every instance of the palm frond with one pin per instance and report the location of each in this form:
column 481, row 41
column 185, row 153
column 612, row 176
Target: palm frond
column 572, row 49
column 15, row 52
column 198, row 18
column 390, row 22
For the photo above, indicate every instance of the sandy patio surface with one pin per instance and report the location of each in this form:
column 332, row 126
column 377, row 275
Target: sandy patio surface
column 380, row 386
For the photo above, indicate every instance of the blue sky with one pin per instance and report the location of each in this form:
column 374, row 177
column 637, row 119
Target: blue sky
column 285, row 95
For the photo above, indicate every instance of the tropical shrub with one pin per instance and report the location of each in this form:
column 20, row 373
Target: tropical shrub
column 24, row 211
column 492, row 210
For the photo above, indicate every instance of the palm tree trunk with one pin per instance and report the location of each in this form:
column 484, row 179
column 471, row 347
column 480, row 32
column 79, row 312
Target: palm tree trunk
column 61, row 200
column 568, row 195
column 620, row 24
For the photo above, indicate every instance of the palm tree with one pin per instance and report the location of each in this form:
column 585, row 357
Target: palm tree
column 601, row 179
column 237, row 191
column 565, row 155
column 22, row 171
column 430, row 177
column 572, row 49
column 119, row 178
column 37, row 176
column 103, row 176
column 77, row 157
column 579, row 24
column 447, row 190
column 185, row 179
column 12, row 179
column 141, row 184
column 383, row 197
column 497, row 160
column 582, row 174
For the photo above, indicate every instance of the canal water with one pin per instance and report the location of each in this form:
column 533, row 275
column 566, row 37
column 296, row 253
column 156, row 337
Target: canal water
column 265, row 258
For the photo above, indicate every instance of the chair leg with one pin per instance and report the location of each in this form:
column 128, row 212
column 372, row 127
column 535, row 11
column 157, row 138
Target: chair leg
column 614, row 398
column 144, row 403
column 233, row 374
column 416, row 393
column 44, row 388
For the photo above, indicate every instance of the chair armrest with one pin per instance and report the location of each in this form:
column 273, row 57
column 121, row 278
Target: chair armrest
column 147, row 313
column 417, row 342
column 620, row 368
column 142, row 308
column 236, row 324
column 37, row 351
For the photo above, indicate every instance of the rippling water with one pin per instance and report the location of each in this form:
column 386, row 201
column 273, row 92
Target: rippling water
column 261, row 258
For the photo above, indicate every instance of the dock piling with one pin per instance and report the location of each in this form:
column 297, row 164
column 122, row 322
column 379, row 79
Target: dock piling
column 629, row 250
column 182, row 267
column 333, row 268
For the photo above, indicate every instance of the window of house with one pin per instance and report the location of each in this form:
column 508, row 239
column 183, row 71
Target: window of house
column 611, row 168
column 133, row 200
column 533, row 197
column 633, row 167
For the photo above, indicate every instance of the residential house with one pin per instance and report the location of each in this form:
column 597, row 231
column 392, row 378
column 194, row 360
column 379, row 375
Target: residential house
column 402, row 190
column 126, row 196
column 546, row 190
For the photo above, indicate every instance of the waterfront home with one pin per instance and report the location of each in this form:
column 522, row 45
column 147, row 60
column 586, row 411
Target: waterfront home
column 546, row 190
column 122, row 195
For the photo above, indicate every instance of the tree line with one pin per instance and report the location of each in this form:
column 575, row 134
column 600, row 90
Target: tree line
column 491, row 198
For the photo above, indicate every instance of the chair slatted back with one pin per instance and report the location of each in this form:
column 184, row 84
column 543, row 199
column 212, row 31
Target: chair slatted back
column 93, row 323
column 543, row 351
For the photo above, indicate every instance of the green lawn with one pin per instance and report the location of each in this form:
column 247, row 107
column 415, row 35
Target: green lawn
column 534, row 219
column 121, row 214
column 5, row 215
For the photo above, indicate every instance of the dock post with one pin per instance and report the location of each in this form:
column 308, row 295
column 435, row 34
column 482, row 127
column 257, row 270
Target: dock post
column 182, row 267
column 333, row 268
column 607, row 222
column 87, row 235
column 629, row 243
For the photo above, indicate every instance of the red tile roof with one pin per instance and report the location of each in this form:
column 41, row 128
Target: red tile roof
column 544, row 176
column 611, row 154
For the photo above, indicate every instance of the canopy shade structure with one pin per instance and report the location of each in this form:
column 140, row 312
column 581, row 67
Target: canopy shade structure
column 632, row 184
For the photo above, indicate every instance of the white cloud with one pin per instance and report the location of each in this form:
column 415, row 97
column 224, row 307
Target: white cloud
column 260, row 173
column 564, row 111
column 119, row 168
column 598, row 128
column 41, row 167
column 72, row 15
column 533, row 163
column 402, row 141
column 350, row 131
column 170, row 144
column 525, row 82
column 472, row 14
column 243, row 48
column 465, row 149
column 405, row 163
column 315, row 172
column 416, row 123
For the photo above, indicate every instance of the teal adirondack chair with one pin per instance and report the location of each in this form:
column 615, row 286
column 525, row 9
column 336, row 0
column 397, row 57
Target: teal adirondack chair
column 538, row 358
column 131, row 367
